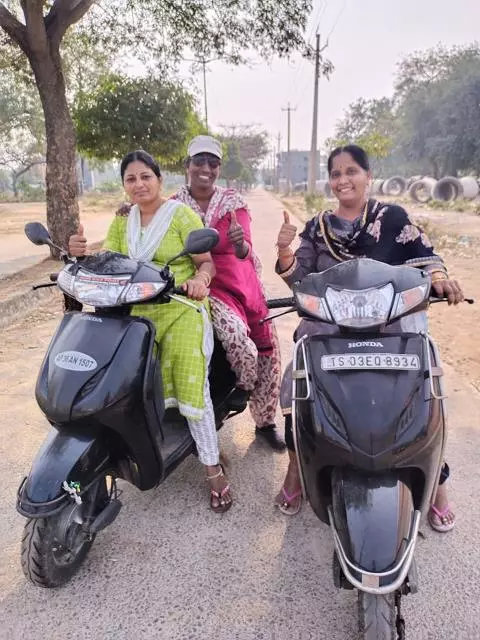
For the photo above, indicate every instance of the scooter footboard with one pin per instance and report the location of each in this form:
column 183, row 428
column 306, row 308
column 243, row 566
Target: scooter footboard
column 375, row 527
column 64, row 456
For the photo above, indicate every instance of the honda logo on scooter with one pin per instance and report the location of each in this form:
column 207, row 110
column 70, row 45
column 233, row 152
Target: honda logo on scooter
column 354, row 345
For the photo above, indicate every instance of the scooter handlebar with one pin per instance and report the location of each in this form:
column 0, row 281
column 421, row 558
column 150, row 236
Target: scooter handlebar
column 280, row 303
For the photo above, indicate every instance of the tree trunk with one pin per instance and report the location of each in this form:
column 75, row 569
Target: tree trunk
column 14, row 185
column 61, row 175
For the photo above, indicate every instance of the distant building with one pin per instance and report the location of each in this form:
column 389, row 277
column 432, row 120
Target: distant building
column 300, row 161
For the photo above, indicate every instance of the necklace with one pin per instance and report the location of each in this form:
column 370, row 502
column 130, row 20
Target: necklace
column 336, row 255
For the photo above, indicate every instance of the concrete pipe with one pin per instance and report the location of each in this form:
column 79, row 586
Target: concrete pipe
column 447, row 189
column 421, row 190
column 470, row 187
column 394, row 186
column 376, row 187
column 413, row 179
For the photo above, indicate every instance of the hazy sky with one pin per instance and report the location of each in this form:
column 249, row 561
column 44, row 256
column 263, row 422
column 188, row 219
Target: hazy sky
column 369, row 38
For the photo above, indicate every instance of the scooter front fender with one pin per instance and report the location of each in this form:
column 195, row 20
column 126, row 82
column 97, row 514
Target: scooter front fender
column 75, row 456
column 375, row 527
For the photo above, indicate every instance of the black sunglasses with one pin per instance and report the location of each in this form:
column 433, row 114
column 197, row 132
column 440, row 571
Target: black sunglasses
column 201, row 159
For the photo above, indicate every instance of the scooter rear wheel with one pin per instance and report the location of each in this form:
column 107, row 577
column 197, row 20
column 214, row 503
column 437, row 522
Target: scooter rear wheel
column 54, row 548
column 376, row 616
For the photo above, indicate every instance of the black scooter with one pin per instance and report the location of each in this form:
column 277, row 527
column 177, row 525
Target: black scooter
column 100, row 388
column 369, row 427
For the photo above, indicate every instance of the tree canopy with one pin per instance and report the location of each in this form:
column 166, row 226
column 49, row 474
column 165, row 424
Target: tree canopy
column 432, row 122
column 157, row 33
column 122, row 114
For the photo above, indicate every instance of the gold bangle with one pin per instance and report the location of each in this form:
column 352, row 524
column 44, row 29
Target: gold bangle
column 207, row 277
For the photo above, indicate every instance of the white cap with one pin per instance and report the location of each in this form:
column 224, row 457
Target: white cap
column 204, row 144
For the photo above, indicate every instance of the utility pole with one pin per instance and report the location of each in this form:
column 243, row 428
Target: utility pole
column 289, row 110
column 277, row 163
column 312, row 165
column 204, row 65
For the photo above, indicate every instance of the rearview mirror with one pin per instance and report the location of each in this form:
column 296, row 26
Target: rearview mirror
column 201, row 241
column 37, row 233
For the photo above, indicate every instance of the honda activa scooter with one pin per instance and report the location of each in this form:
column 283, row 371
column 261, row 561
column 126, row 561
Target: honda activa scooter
column 369, row 426
column 100, row 388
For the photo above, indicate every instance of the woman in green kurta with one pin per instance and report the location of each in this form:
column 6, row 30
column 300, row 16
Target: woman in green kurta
column 154, row 231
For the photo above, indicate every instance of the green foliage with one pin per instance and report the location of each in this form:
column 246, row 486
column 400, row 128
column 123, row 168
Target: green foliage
column 22, row 129
column 440, row 121
column 315, row 203
column 432, row 124
column 159, row 32
column 252, row 145
column 109, row 186
column 31, row 193
column 232, row 166
column 124, row 114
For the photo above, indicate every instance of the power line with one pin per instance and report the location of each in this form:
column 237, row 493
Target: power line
column 335, row 24
column 313, row 29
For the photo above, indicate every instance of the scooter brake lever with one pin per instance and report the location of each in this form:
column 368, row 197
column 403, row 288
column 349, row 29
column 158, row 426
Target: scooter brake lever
column 184, row 301
column 277, row 315
column 44, row 285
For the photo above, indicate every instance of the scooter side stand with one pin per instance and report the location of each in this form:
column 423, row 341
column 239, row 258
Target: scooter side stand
column 399, row 620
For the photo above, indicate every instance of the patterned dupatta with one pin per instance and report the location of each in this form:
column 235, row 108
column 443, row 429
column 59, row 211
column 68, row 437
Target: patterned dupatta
column 383, row 232
column 223, row 201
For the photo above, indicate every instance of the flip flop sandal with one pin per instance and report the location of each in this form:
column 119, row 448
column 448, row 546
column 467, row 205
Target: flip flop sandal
column 286, row 505
column 219, row 496
column 443, row 527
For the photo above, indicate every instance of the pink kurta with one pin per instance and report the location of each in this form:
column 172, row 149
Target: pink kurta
column 238, row 304
column 237, row 283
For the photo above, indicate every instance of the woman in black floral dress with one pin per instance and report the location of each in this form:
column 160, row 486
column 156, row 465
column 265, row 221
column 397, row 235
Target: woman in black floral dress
column 360, row 227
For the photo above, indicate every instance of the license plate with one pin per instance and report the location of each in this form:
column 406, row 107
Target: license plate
column 389, row 361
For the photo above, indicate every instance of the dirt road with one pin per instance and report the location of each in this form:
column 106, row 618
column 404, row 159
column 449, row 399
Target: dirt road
column 170, row 569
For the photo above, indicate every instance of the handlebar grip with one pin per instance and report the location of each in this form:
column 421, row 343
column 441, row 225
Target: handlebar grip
column 279, row 303
column 178, row 291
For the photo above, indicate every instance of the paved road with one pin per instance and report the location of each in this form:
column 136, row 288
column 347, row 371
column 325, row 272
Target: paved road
column 17, row 252
column 170, row 569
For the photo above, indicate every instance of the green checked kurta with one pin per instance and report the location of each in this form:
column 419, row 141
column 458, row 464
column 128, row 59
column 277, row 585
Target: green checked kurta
column 180, row 329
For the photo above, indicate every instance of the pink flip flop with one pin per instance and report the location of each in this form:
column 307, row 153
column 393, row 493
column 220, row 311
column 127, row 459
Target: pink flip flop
column 285, row 505
column 442, row 527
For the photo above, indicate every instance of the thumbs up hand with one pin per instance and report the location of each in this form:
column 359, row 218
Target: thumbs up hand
column 287, row 233
column 77, row 244
column 235, row 232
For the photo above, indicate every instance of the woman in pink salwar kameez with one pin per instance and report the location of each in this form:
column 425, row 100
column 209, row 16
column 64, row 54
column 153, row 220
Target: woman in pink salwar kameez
column 236, row 293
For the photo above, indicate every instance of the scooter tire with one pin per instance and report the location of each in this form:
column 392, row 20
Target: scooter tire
column 39, row 562
column 376, row 616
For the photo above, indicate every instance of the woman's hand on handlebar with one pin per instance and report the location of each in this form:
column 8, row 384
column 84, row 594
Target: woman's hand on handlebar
column 77, row 244
column 449, row 289
column 195, row 288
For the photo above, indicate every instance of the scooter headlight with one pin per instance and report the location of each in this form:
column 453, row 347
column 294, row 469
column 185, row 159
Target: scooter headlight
column 360, row 309
column 106, row 291
column 409, row 299
column 139, row 291
column 313, row 305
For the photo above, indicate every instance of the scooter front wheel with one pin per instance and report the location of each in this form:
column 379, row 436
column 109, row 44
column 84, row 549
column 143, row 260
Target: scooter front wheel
column 54, row 548
column 376, row 616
